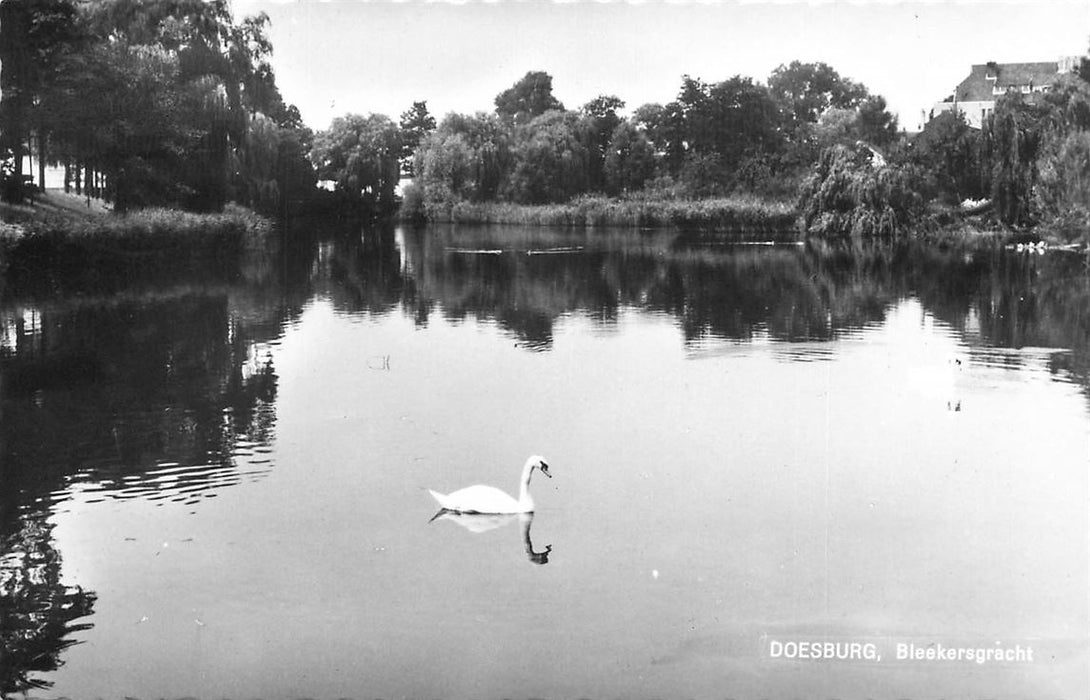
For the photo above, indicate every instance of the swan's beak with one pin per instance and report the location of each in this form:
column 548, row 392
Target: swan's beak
column 545, row 470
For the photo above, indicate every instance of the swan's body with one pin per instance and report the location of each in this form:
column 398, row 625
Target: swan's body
column 491, row 500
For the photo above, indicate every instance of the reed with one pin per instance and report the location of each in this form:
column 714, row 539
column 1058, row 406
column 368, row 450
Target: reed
column 727, row 213
column 67, row 240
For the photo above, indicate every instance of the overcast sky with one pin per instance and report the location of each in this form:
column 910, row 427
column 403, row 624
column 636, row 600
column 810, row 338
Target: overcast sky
column 333, row 57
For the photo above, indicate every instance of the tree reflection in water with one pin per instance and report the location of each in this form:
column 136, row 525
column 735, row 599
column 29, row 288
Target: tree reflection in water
column 718, row 290
column 38, row 613
column 164, row 394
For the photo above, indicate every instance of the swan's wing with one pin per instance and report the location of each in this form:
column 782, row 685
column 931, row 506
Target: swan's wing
column 480, row 499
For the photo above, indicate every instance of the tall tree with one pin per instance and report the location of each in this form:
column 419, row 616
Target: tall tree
column 467, row 158
column 808, row 89
column 602, row 119
column 550, row 159
column 529, row 97
column 415, row 124
column 630, row 159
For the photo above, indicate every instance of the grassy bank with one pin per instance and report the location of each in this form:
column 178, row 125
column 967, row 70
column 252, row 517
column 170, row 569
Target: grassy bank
column 728, row 214
column 62, row 234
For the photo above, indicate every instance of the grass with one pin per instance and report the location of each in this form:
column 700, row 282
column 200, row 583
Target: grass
column 728, row 213
column 62, row 234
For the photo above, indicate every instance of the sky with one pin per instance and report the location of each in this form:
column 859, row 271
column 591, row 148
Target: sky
column 334, row 57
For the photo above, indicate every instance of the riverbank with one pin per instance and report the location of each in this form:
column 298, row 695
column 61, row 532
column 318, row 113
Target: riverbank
column 63, row 234
column 728, row 213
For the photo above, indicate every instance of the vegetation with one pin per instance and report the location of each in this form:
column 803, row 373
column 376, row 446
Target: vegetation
column 734, row 213
column 361, row 155
column 148, row 104
column 58, row 236
column 1029, row 165
column 1038, row 159
column 737, row 140
column 854, row 191
column 174, row 103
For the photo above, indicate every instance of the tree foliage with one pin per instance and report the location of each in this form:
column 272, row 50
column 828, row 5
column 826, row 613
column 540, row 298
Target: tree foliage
column 629, row 161
column 1035, row 156
column 467, row 158
column 851, row 193
column 948, row 151
column 155, row 99
column 529, row 97
column 600, row 115
column 714, row 138
column 807, row 90
column 415, row 124
column 361, row 154
column 551, row 159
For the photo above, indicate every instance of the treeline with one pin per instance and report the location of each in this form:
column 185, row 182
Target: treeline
column 808, row 136
column 713, row 140
column 1028, row 166
column 148, row 103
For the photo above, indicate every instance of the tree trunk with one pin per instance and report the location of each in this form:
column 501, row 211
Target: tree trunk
column 41, row 159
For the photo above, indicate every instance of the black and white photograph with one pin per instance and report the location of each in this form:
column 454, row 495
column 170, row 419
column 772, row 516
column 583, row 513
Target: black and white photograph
column 544, row 350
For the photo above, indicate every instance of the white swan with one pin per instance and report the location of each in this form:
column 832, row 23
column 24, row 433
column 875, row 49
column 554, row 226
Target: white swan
column 488, row 499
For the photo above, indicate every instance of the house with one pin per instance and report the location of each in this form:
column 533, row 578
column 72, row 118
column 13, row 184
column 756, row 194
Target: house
column 975, row 96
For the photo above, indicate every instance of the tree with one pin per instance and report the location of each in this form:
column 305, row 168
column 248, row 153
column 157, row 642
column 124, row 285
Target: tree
column 274, row 165
column 602, row 120
column 361, row 155
column 851, row 193
column 806, row 90
column 630, row 159
column 35, row 36
column 664, row 127
column 415, row 124
column 484, row 146
column 550, row 159
column 156, row 99
column 948, row 151
column 528, row 98
column 744, row 120
column 875, row 124
column 123, row 110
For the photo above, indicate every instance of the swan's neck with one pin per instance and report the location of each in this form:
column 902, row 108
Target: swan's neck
column 524, row 486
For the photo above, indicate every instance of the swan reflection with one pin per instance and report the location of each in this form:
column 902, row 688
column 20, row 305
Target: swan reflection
column 483, row 522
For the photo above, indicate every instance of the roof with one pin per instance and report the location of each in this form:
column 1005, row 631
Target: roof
column 978, row 86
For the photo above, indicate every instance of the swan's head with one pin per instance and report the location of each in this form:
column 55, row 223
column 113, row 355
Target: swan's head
column 540, row 463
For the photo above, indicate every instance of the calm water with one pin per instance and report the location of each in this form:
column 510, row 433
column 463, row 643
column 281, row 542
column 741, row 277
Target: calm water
column 215, row 485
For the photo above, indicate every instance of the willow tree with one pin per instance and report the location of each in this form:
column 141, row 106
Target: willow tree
column 157, row 97
column 361, row 155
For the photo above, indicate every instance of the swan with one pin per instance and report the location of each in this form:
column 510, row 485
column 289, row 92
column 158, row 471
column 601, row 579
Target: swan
column 488, row 499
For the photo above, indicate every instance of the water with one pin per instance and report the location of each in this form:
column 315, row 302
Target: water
column 216, row 487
